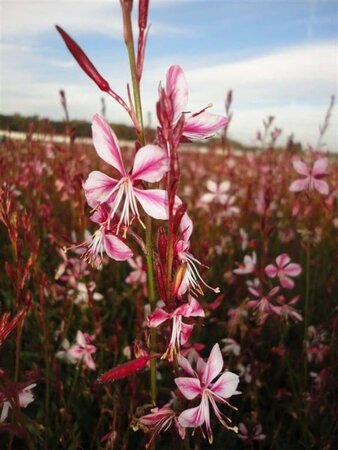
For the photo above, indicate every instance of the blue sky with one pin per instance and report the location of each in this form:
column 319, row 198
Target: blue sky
column 279, row 56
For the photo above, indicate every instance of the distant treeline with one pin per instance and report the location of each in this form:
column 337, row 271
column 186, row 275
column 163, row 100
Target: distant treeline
column 36, row 124
column 81, row 128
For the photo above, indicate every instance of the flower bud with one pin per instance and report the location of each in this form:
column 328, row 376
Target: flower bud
column 83, row 60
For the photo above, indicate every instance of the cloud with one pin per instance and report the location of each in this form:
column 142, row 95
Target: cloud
column 293, row 84
column 80, row 16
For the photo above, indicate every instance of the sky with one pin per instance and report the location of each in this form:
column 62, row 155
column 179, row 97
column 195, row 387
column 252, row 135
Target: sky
column 280, row 58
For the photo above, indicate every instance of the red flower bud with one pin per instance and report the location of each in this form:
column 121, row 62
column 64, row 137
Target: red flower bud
column 124, row 370
column 83, row 60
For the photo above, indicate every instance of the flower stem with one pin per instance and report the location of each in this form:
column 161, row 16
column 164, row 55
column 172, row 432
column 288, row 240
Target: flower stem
column 306, row 311
column 129, row 39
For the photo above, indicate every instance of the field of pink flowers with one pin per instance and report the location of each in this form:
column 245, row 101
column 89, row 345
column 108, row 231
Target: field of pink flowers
column 154, row 295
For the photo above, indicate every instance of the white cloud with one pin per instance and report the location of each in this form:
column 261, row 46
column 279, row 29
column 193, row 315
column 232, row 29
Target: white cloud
column 294, row 85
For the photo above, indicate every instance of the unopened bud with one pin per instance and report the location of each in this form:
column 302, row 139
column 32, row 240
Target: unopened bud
column 83, row 60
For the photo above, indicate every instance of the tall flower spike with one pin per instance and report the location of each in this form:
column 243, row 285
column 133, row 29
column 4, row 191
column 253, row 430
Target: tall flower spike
column 150, row 164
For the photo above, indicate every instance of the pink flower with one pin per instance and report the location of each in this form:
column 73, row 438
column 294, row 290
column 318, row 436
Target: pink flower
column 83, row 350
column 217, row 192
column 161, row 419
column 247, row 266
column 255, row 434
column 25, row 397
column 181, row 331
column 263, row 303
column 192, row 277
column 203, row 383
column 286, row 310
column 284, row 269
column 139, row 274
column 313, row 177
column 104, row 241
column 150, row 164
column 201, row 125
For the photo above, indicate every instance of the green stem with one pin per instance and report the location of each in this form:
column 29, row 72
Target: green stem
column 306, row 310
column 149, row 247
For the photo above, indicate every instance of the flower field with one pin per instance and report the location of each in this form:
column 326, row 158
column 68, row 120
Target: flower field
column 153, row 294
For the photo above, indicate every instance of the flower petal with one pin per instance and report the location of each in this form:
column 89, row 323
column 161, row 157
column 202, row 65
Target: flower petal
column 282, row 260
column 177, row 89
column 193, row 417
column 320, row 167
column 286, row 282
column 98, row 188
column 186, row 331
column 299, row 185
column 190, row 387
column 212, row 186
column 226, row 385
column 224, row 186
column 213, row 366
column 185, row 365
column 186, row 227
column 154, row 202
column 157, row 317
column 150, row 164
column 208, row 197
column 271, row 270
column 195, row 308
column 300, row 167
column 116, row 248
column 321, row 186
column 293, row 269
column 203, row 126
column 80, row 339
column 106, row 144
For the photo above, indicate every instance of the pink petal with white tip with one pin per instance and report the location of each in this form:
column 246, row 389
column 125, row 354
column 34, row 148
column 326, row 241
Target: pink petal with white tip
column 320, row 167
column 286, row 282
column 186, row 226
column 116, row 248
column 185, row 365
column 150, row 164
column 177, row 90
column 157, row 317
column 98, row 188
column 271, row 270
column 193, row 417
column 300, row 167
column 283, row 259
column 299, row 185
column 203, row 125
column 213, row 366
column 195, row 308
column 186, row 331
column 226, row 385
column 89, row 362
column 154, row 202
column 293, row 269
column 80, row 339
column 321, row 186
column 106, row 144
column 190, row 387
